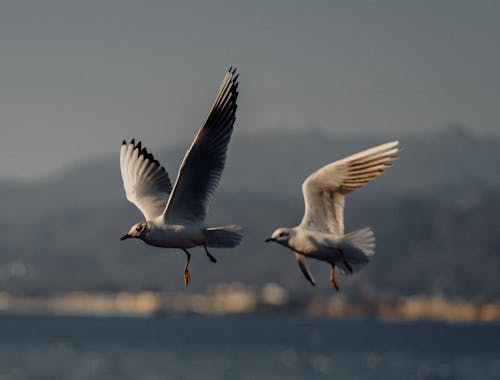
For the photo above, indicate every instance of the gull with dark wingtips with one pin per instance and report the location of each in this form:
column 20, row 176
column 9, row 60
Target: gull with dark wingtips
column 175, row 216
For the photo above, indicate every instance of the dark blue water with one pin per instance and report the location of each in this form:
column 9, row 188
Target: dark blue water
column 244, row 347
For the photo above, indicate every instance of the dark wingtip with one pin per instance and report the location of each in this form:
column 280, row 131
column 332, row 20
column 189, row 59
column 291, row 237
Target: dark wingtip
column 132, row 142
column 232, row 70
column 124, row 142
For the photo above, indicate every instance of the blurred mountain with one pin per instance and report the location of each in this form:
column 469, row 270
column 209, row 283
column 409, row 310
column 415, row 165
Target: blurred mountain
column 435, row 215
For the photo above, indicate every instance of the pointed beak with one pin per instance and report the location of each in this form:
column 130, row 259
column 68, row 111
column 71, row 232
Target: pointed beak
column 125, row 237
column 269, row 239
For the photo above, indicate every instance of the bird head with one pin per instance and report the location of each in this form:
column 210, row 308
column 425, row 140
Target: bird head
column 281, row 236
column 138, row 231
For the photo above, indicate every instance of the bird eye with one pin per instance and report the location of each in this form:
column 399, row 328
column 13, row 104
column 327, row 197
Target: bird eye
column 282, row 234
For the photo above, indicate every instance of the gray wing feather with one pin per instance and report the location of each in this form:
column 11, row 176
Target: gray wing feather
column 301, row 260
column 202, row 166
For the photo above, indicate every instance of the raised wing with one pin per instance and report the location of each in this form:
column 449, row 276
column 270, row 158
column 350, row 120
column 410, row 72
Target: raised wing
column 145, row 181
column 202, row 167
column 325, row 189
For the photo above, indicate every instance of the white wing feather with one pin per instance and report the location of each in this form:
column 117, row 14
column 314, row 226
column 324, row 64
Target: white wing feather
column 324, row 190
column 145, row 181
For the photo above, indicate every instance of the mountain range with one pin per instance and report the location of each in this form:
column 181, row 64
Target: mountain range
column 435, row 215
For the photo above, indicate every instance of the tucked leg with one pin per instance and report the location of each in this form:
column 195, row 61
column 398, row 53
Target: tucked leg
column 332, row 278
column 187, row 277
column 345, row 262
column 212, row 259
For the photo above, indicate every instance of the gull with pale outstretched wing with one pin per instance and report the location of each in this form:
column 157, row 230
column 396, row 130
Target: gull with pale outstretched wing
column 321, row 235
column 175, row 216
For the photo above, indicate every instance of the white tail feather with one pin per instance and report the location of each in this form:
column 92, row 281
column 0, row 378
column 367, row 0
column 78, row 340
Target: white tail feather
column 357, row 246
column 223, row 237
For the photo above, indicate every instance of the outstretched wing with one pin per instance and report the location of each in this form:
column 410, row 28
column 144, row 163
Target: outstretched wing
column 145, row 181
column 202, row 167
column 325, row 189
column 301, row 260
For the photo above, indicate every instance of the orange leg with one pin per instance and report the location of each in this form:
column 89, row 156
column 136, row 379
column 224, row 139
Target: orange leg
column 187, row 277
column 332, row 278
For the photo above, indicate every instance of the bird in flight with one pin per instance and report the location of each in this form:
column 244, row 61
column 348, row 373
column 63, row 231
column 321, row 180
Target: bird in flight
column 175, row 216
column 321, row 235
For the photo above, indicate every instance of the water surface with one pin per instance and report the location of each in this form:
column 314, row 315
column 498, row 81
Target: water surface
column 244, row 347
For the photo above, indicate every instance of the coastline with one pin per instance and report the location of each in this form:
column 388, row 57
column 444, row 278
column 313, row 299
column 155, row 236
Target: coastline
column 238, row 299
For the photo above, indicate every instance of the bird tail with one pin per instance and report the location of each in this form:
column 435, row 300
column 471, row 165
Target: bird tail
column 357, row 247
column 223, row 237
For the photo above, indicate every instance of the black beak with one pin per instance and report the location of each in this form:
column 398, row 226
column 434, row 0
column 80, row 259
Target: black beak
column 269, row 239
column 126, row 236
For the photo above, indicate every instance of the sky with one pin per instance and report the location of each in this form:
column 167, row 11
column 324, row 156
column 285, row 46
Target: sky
column 77, row 77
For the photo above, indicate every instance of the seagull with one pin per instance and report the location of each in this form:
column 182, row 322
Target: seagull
column 175, row 216
column 321, row 235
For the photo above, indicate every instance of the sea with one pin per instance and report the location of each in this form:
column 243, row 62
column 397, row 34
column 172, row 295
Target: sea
column 256, row 346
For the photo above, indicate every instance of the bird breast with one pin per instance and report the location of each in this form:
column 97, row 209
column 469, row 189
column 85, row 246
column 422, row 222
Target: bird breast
column 175, row 236
column 314, row 243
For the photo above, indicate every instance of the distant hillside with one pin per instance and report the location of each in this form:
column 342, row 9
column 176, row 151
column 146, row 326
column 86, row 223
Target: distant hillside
column 435, row 215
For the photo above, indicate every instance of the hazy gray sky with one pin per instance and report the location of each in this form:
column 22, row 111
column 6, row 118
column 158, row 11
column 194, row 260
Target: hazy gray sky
column 76, row 77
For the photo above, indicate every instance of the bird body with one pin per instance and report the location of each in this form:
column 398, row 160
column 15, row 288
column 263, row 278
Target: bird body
column 186, row 236
column 175, row 215
column 174, row 235
column 314, row 244
column 321, row 235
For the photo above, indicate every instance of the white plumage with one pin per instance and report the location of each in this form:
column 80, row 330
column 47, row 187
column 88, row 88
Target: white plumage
column 320, row 235
column 175, row 216
column 146, row 182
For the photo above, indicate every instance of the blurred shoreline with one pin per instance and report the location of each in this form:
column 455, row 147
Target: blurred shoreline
column 239, row 299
